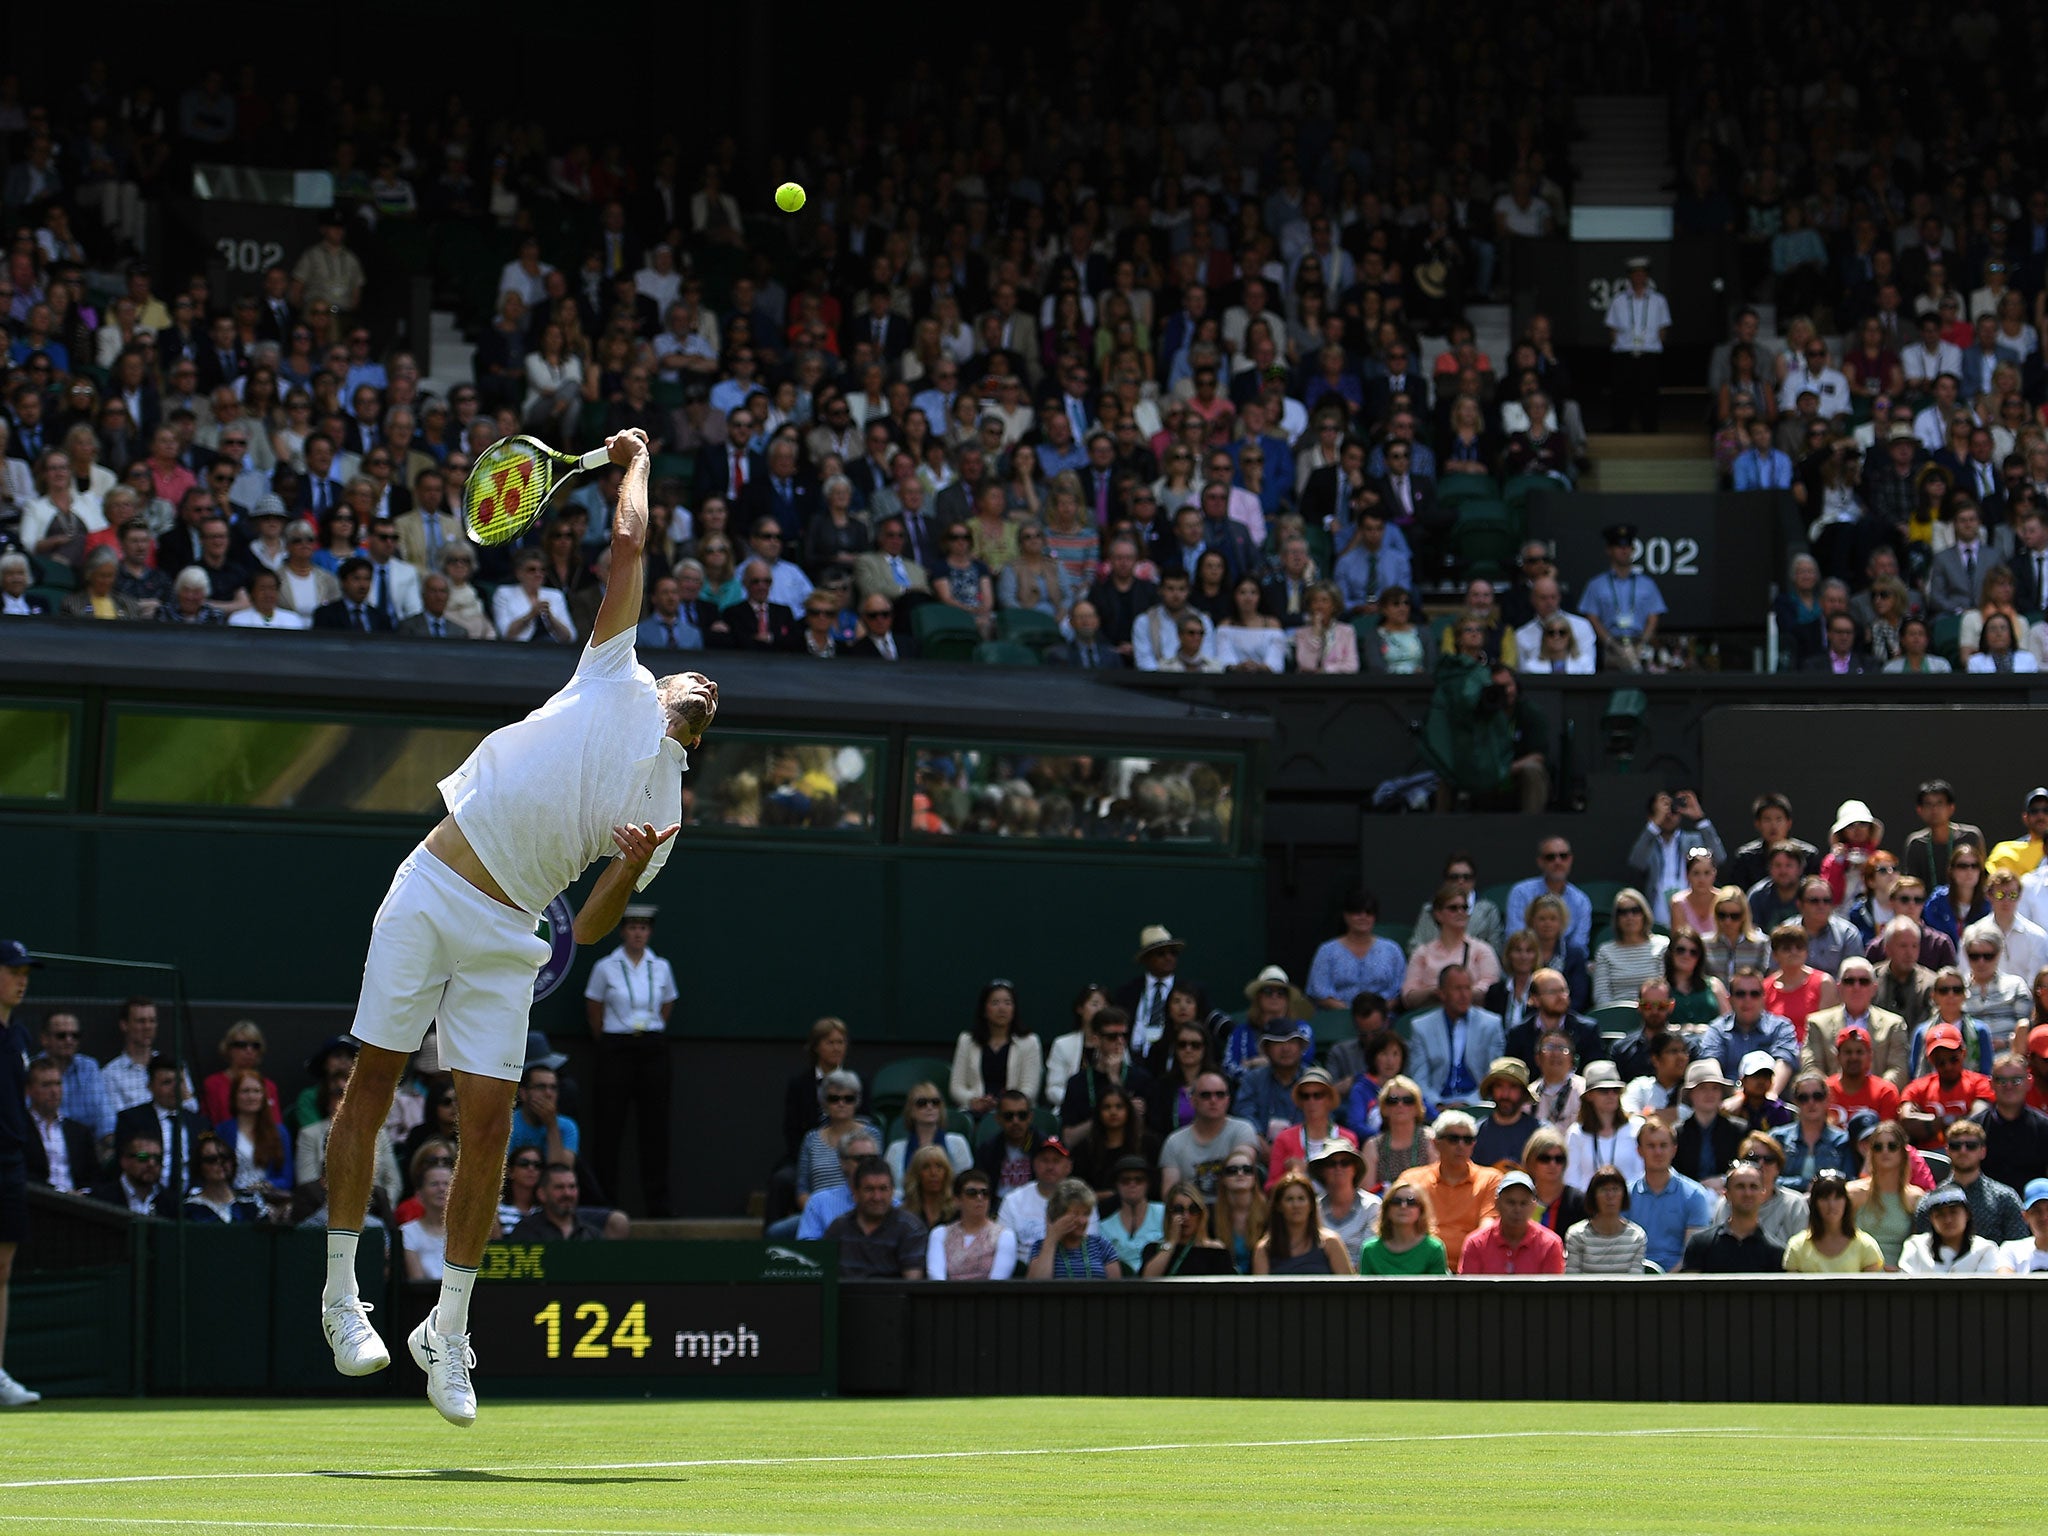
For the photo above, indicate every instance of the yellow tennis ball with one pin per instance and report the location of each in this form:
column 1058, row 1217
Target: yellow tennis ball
column 789, row 197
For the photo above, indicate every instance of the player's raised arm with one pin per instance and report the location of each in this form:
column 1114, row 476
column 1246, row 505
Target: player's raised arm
column 620, row 609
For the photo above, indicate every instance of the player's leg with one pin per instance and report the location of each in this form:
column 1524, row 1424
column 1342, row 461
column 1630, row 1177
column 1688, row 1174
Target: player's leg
column 352, row 1143
column 12, row 1393
column 482, row 1039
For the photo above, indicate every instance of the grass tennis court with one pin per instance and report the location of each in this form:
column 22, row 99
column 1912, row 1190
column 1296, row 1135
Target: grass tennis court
column 1014, row 1464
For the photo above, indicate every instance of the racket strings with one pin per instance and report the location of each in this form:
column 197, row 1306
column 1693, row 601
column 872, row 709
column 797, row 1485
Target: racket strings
column 506, row 488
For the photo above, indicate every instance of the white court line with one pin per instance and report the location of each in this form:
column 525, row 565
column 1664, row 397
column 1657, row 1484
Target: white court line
column 338, row 1475
column 357, row 1525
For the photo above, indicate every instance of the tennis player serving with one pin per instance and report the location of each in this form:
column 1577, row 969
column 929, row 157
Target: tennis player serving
column 595, row 770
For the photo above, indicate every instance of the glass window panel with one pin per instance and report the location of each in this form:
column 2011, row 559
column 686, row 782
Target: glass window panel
column 281, row 764
column 1066, row 796
column 36, row 764
column 738, row 782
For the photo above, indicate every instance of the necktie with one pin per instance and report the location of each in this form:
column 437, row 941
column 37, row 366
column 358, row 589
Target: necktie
column 1154, row 999
column 1372, row 574
column 1101, row 497
column 2040, row 579
column 1088, row 656
column 1969, row 564
column 881, row 335
column 782, row 490
column 319, row 495
column 739, row 470
column 361, row 615
column 888, row 647
column 899, row 571
column 384, row 589
column 761, row 620
column 434, row 628
column 1401, row 491
column 227, row 364
column 668, row 630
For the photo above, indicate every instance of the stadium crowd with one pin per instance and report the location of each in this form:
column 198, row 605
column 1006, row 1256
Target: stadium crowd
column 1183, row 386
column 1814, row 1057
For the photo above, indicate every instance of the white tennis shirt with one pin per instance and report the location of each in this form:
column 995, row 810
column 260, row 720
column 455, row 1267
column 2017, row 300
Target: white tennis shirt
column 538, row 800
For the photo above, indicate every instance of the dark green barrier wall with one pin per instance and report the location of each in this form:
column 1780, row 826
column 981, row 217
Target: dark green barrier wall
column 71, row 1332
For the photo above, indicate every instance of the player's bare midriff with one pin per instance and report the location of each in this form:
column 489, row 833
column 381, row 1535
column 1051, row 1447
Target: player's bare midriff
column 447, row 844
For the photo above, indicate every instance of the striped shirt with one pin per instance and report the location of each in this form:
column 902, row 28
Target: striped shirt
column 1619, row 970
column 1587, row 1252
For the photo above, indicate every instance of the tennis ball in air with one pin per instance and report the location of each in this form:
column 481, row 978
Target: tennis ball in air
column 789, row 197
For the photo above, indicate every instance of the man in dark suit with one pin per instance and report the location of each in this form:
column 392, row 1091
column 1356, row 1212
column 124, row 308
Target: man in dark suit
column 784, row 493
column 1327, row 495
column 432, row 621
column 878, row 639
column 81, row 1168
column 1843, row 655
column 1955, row 582
column 1100, row 497
column 715, row 475
column 353, row 610
column 1399, row 379
column 274, row 309
column 320, row 489
column 755, row 624
column 878, row 325
column 1121, row 596
column 1088, row 651
column 163, row 1118
column 1143, row 997
column 870, row 472
column 221, row 360
column 2029, row 562
column 134, row 1187
column 627, row 301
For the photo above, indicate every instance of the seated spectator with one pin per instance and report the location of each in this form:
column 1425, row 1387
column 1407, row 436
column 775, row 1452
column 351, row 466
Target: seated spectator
column 241, row 1049
column 1295, row 1241
column 925, row 1189
column 1832, row 1244
column 1324, row 643
column 1604, row 1134
column 1606, row 1242
column 1397, row 646
column 1948, row 1094
column 521, row 1194
column 1670, row 1207
column 1186, row 1248
column 1951, row 1245
column 465, row 604
column 1300, row 1144
column 973, row 1247
column 1237, row 1219
column 1356, row 960
column 1359, row 1065
column 818, row 1158
column 1136, row 1221
column 213, row 1197
column 1511, row 1243
column 556, row 1219
column 1783, row 1211
column 994, row 1045
column 425, row 1238
column 537, row 1120
column 1812, row 1143
column 2015, row 1133
column 1794, row 990
column 835, row 1200
column 1405, row 1243
column 253, row 1132
column 1916, row 643
column 1278, row 1013
column 309, row 1152
column 62, row 1153
column 1072, row 1246
column 2029, row 1255
column 1634, row 954
column 1755, row 1106
column 1738, row 1245
column 1461, row 1194
column 1549, row 920
column 1451, row 908
column 1024, row 1210
column 525, row 609
column 924, row 1125
column 1505, row 1131
column 1113, row 1134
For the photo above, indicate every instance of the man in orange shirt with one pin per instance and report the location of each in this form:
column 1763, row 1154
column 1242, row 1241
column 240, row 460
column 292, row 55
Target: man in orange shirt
column 1853, row 1087
column 1462, row 1195
column 1931, row 1104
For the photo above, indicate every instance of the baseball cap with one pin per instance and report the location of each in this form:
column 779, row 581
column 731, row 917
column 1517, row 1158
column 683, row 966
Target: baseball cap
column 1848, row 1030
column 14, row 953
column 2037, row 1191
column 2036, row 793
column 1052, row 1144
column 1949, row 1194
column 2037, row 1040
column 1514, row 1180
column 1758, row 1061
column 1944, row 1037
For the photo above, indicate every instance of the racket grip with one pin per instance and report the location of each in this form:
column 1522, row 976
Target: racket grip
column 597, row 458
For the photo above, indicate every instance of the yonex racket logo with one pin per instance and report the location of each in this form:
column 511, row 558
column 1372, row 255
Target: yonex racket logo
column 500, row 495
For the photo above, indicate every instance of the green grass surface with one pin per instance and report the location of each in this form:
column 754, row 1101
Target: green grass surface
column 987, row 1465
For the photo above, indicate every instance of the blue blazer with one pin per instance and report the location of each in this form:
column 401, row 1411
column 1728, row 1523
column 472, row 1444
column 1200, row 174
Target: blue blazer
column 1429, row 1046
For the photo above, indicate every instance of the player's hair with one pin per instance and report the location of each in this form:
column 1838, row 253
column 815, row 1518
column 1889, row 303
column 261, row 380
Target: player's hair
column 691, row 701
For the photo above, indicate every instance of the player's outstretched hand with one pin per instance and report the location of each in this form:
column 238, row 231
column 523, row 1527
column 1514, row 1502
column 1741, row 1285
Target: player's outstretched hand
column 637, row 844
column 626, row 446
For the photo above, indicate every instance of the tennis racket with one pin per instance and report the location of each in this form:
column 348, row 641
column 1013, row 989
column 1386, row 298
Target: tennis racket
column 511, row 482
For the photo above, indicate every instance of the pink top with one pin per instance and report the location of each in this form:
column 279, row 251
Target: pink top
column 1540, row 1252
column 1795, row 1002
column 1333, row 650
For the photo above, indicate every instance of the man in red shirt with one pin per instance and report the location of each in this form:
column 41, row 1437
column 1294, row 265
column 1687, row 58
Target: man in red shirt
column 1853, row 1087
column 1931, row 1104
column 1512, row 1244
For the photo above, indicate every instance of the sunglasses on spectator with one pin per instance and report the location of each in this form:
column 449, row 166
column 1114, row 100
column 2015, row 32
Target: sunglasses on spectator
column 1746, row 992
column 975, row 1192
column 525, row 1162
column 1908, row 899
column 144, row 1157
column 1982, row 954
column 1014, row 1115
column 1212, row 1093
column 830, row 1098
column 1884, row 869
column 924, row 1103
column 1182, row 1210
column 1239, row 1171
column 1455, row 1136
column 2010, row 1077
column 1809, row 1098
column 1548, row 1157
column 1552, row 858
column 1948, row 986
column 1395, row 1099
column 1967, row 1144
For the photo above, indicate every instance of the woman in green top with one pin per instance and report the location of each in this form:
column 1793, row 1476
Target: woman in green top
column 1885, row 1197
column 1696, row 997
column 1831, row 1243
column 1404, row 1245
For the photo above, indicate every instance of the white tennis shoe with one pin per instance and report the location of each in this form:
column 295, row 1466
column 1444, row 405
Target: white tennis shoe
column 447, row 1359
column 14, row 1395
column 358, row 1351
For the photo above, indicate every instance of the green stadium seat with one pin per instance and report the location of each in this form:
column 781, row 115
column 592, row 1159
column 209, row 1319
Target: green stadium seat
column 54, row 596
column 1331, row 1026
column 1947, row 638
column 1395, row 933
column 668, row 394
column 673, row 465
column 891, row 1085
column 1004, row 653
column 1027, row 626
column 960, row 1123
column 1617, row 1016
column 1367, row 627
column 1453, row 490
column 1484, row 538
column 1624, row 722
column 943, row 633
column 55, row 575
column 1520, row 488
column 1321, row 551
column 1498, row 895
column 1045, row 1120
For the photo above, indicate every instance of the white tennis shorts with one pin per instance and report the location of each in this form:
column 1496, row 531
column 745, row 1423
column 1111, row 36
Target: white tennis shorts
column 442, row 951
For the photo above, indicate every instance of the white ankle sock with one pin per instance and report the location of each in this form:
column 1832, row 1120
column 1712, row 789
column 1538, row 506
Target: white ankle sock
column 341, row 1266
column 451, row 1313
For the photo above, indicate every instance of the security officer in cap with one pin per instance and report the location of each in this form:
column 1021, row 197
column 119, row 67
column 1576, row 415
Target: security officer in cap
column 630, row 995
column 16, row 1047
column 1639, row 323
column 1622, row 604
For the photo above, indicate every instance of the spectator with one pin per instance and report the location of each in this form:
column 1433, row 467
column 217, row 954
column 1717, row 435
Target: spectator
column 973, row 1247
column 1604, row 1135
column 1794, row 990
column 1295, row 1241
column 828, row 1205
column 994, row 1054
column 1622, row 605
column 1708, row 1141
column 1504, row 1132
column 1951, row 1245
column 537, row 1120
column 1484, row 922
column 1996, row 1002
column 1994, row 1207
column 1512, row 1244
column 1961, row 901
column 924, row 1125
column 1452, row 1045
column 85, row 1094
column 213, row 1196
column 1737, row 1246
column 1905, row 977
column 61, row 1154
column 137, row 1182
column 1554, row 861
column 1298, row 1145
column 1460, row 1194
column 1026, row 1210
column 2029, row 1255
column 1406, row 1243
column 1606, row 1242
column 1812, row 1144
column 2015, row 1133
column 926, row 1188
column 1832, row 1244
column 2022, row 943
column 1885, row 1197
column 1186, row 1248
column 425, row 1238
column 555, row 1220
column 819, row 1158
column 1355, row 961
column 252, row 1131
column 1756, row 1106
column 1931, row 1105
column 1633, row 955
column 1196, row 1152
column 1670, row 1207
column 1551, row 1013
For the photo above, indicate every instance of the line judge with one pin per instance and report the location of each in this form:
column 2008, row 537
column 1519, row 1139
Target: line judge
column 629, row 997
column 1639, row 321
